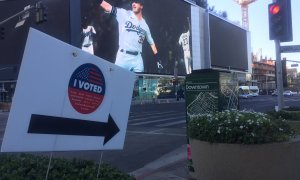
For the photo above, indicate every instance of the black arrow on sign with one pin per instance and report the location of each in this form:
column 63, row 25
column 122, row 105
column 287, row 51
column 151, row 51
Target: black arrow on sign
column 41, row 124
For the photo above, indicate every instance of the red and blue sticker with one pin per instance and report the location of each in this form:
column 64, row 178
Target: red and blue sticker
column 86, row 88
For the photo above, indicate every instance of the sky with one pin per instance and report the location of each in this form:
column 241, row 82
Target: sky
column 259, row 25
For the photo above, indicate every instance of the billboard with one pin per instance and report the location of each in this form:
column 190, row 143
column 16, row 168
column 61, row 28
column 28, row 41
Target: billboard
column 122, row 38
column 229, row 45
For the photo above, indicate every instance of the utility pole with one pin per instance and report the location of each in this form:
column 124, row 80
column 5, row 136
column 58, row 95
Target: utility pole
column 279, row 75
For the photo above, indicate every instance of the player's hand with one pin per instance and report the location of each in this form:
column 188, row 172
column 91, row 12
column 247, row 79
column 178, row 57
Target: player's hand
column 159, row 66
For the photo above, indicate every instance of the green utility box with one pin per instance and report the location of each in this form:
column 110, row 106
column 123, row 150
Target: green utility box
column 210, row 90
column 207, row 91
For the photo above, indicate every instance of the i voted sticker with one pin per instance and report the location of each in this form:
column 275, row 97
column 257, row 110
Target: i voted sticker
column 86, row 88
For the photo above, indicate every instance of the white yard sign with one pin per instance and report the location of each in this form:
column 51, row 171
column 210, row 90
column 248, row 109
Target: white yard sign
column 67, row 99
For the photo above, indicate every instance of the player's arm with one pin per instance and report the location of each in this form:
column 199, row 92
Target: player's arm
column 154, row 49
column 189, row 22
column 180, row 40
column 105, row 6
column 157, row 57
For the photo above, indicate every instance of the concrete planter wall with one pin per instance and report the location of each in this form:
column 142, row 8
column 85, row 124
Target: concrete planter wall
column 217, row 161
column 294, row 123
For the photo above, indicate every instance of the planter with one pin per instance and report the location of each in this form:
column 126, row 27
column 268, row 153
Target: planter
column 276, row 161
column 295, row 124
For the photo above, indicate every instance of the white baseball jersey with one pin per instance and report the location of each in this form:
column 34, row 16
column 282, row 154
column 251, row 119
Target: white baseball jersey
column 184, row 41
column 132, row 33
column 87, row 44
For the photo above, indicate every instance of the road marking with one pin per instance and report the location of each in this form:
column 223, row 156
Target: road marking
column 4, row 113
column 168, row 134
column 171, row 123
column 151, row 117
column 142, row 114
column 294, row 100
column 154, row 121
column 157, row 130
column 146, row 112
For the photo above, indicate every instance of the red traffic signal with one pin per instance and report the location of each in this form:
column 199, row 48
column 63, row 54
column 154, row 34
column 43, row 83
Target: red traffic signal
column 280, row 21
column 274, row 9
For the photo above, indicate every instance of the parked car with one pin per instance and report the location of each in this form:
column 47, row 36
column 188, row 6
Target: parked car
column 288, row 93
column 244, row 96
column 253, row 94
column 294, row 92
column 285, row 93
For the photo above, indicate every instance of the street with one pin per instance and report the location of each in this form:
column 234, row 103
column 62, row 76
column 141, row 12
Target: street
column 264, row 103
column 153, row 131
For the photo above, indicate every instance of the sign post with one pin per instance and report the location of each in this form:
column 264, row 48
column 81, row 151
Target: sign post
column 67, row 99
column 290, row 49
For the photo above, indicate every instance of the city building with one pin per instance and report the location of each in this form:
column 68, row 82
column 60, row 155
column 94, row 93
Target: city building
column 264, row 75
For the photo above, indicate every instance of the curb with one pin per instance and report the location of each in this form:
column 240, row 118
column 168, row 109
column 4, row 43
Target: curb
column 156, row 101
column 171, row 158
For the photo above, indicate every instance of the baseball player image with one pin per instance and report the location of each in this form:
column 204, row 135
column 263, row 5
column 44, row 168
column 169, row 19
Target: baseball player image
column 87, row 44
column 184, row 42
column 133, row 31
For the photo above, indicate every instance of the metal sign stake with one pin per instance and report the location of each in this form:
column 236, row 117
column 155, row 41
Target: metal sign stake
column 48, row 169
column 100, row 162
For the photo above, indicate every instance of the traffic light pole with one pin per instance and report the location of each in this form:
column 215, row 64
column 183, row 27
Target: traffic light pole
column 279, row 75
column 16, row 15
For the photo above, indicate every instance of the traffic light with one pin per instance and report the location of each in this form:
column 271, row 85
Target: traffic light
column 41, row 13
column 280, row 21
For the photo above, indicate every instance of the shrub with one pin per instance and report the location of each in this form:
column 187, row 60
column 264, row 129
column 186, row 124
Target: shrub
column 26, row 166
column 288, row 114
column 292, row 108
column 240, row 127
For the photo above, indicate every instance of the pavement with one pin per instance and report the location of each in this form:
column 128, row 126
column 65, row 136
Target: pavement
column 172, row 165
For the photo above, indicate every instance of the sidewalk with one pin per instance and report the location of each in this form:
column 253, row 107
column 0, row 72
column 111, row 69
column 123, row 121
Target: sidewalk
column 170, row 166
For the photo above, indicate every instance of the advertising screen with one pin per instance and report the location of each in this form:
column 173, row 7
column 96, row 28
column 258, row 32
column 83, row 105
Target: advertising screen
column 132, row 33
column 228, row 45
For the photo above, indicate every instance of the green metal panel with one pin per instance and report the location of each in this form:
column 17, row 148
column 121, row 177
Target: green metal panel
column 202, row 91
column 210, row 90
